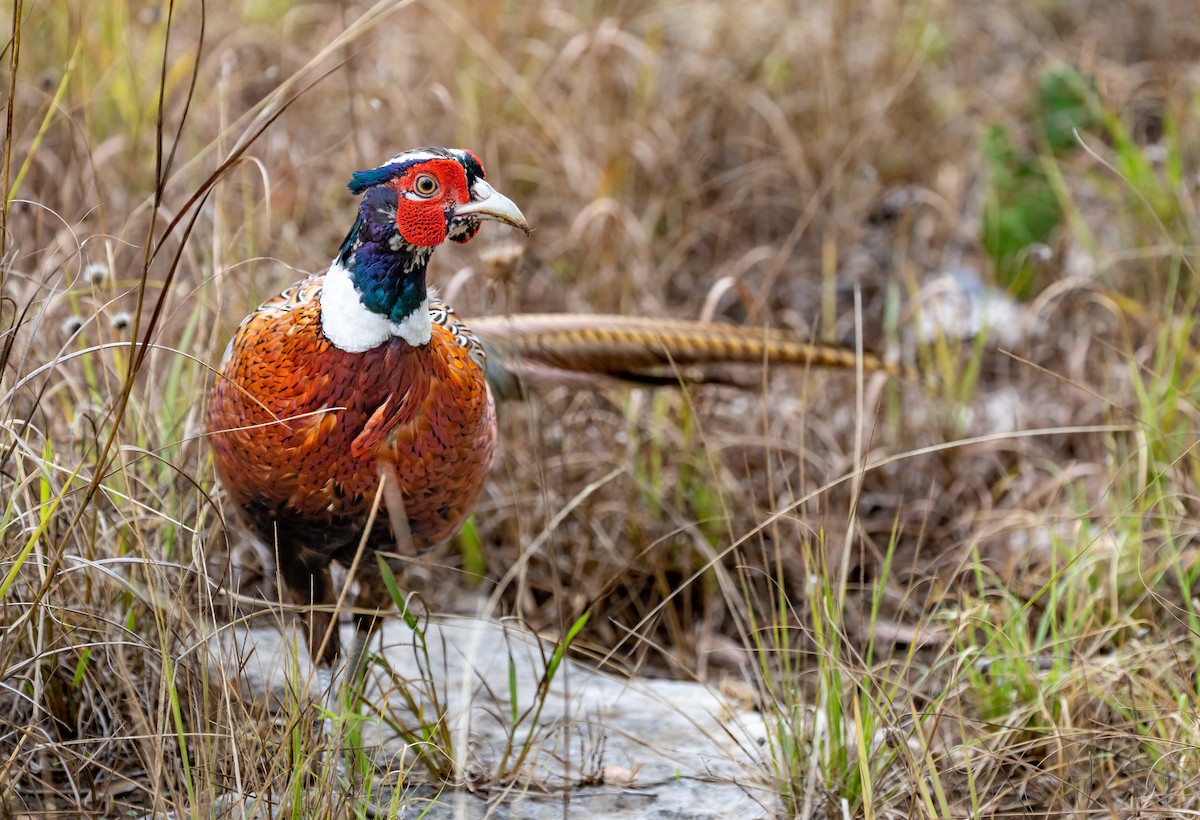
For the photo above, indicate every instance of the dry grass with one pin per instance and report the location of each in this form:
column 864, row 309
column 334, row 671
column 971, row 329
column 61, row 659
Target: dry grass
column 947, row 614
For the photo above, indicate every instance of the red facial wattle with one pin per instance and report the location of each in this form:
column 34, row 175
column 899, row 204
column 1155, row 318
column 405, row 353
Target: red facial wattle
column 422, row 221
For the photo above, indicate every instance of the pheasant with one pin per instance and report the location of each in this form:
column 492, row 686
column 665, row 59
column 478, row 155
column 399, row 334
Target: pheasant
column 358, row 375
column 590, row 349
column 361, row 376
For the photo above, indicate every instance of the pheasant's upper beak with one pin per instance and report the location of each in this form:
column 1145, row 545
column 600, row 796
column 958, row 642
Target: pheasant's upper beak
column 488, row 203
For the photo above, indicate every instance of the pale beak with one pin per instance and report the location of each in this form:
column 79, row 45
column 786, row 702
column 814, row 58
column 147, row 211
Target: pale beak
column 488, row 203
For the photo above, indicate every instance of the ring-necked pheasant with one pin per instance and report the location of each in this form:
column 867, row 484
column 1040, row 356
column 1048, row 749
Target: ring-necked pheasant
column 360, row 375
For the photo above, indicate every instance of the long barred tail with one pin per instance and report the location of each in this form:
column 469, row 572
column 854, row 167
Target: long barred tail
column 584, row 349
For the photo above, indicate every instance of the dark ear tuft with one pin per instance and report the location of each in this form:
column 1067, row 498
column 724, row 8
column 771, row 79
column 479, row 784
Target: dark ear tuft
column 470, row 163
column 360, row 181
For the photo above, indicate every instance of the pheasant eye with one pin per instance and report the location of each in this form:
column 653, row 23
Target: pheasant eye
column 426, row 185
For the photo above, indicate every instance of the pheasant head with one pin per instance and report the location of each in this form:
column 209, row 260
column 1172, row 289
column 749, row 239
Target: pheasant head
column 411, row 204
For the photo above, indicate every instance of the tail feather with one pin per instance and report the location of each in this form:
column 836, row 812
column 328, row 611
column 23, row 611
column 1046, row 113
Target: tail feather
column 587, row 349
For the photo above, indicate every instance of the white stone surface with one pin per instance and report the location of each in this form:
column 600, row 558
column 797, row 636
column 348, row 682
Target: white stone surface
column 602, row 746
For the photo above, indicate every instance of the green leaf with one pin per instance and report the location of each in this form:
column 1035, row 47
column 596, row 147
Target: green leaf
column 1021, row 209
column 1064, row 103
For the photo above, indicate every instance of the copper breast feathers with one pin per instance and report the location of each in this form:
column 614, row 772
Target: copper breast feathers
column 302, row 429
